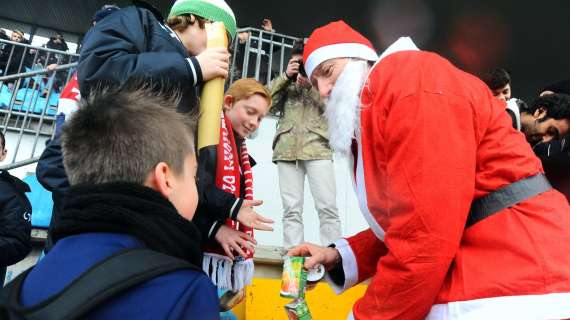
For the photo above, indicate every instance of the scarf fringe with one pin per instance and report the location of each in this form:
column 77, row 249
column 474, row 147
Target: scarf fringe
column 227, row 274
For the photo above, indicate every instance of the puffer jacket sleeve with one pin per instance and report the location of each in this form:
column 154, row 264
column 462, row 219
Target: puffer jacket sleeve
column 132, row 43
column 50, row 171
column 15, row 220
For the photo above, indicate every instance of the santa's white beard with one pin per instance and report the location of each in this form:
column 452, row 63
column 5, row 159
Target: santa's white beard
column 343, row 105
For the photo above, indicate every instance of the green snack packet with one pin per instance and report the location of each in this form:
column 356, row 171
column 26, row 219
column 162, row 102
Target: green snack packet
column 298, row 310
column 294, row 279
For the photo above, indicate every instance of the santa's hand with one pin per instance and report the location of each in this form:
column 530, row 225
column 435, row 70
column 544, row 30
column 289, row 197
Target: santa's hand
column 327, row 256
column 233, row 240
column 249, row 218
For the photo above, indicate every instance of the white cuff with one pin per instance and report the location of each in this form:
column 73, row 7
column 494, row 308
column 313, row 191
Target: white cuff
column 233, row 208
column 212, row 228
column 194, row 75
column 349, row 267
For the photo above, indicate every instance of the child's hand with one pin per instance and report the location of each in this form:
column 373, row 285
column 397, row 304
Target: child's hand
column 214, row 63
column 233, row 240
column 252, row 219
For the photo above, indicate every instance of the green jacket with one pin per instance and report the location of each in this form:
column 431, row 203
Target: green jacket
column 302, row 130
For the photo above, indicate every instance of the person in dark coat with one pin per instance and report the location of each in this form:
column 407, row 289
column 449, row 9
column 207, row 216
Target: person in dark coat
column 14, row 58
column 15, row 217
column 132, row 42
column 131, row 164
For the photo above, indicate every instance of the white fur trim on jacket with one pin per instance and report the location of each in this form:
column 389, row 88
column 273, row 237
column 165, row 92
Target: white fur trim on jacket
column 338, row 50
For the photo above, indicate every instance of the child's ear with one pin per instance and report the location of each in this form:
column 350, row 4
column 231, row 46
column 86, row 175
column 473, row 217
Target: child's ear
column 228, row 102
column 159, row 179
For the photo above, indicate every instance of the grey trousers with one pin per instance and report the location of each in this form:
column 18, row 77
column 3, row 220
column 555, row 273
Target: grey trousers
column 322, row 184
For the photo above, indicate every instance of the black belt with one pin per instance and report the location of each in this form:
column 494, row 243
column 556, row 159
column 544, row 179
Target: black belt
column 506, row 197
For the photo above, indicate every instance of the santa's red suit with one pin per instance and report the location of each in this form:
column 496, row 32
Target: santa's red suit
column 432, row 139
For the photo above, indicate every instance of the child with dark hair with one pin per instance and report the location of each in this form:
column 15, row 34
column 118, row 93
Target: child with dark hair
column 546, row 119
column 130, row 159
column 15, row 217
column 499, row 81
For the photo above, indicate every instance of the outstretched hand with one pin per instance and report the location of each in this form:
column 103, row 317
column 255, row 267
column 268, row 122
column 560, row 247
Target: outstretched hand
column 249, row 218
column 232, row 240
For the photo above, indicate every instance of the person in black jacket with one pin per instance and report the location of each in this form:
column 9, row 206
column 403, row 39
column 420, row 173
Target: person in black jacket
column 15, row 217
column 132, row 42
column 14, row 58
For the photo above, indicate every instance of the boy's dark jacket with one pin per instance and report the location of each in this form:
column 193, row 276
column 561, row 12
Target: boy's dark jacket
column 133, row 43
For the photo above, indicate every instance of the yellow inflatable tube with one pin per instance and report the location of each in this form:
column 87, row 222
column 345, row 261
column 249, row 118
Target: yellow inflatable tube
column 212, row 96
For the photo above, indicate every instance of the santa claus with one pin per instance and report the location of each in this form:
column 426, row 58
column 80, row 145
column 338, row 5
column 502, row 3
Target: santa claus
column 463, row 224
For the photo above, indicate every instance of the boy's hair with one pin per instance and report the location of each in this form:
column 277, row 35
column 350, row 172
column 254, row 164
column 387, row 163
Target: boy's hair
column 245, row 88
column 120, row 133
column 183, row 21
column 557, row 106
column 497, row 78
column 3, row 138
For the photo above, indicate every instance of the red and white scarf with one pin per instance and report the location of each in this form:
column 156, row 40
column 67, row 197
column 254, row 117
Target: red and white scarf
column 227, row 273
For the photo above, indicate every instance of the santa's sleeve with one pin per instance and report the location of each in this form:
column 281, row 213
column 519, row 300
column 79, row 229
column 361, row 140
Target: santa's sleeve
column 430, row 143
column 359, row 255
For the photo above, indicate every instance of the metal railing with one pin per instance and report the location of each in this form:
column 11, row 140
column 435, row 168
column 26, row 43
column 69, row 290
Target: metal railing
column 263, row 56
column 29, row 93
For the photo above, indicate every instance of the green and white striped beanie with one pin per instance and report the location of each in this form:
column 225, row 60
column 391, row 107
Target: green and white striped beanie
column 214, row 10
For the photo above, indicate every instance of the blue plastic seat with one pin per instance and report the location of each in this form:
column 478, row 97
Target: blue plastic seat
column 42, row 203
column 5, row 97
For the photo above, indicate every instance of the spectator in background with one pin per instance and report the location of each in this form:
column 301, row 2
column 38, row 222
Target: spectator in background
column 15, row 217
column 13, row 58
column 546, row 119
column 499, row 81
column 56, row 42
column 301, row 148
column 545, row 124
column 51, row 60
column 555, row 155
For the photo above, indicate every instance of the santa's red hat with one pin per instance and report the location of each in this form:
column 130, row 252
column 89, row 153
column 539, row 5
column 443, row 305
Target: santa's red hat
column 336, row 40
